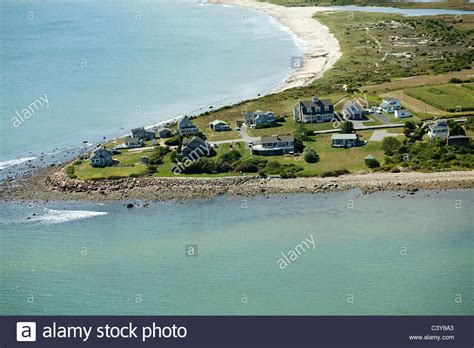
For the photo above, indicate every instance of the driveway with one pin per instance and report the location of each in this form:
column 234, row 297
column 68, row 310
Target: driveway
column 381, row 117
column 379, row 135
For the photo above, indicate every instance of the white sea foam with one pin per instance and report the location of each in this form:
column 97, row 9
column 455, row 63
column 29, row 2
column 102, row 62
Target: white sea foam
column 11, row 163
column 52, row 216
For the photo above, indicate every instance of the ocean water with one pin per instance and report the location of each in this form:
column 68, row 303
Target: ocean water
column 97, row 68
column 374, row 254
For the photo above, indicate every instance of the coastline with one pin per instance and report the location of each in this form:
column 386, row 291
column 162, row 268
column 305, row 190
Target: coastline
column 321, row 52
column 52, row 184
column 322, row 48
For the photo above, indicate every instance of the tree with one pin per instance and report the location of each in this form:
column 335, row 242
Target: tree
column 390, row 145
column 409, row 128
column 310, row 156
column 455, row 128
column 347, row 127
column 298, row 144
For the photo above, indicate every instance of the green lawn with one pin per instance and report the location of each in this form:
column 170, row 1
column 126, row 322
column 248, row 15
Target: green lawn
column 449, row 97
column 128, row 165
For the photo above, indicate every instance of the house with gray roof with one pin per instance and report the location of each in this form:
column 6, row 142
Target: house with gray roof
column 274, row 145
column 344, row 140
column 390, row 105
column 314, row 111
column 259, row 118
column 165, row 133
column 186, row 126
column 352, row 111
column 438, row 129
column 101, row 157
column 219, row 126
column 195, row 148
column 142, row 133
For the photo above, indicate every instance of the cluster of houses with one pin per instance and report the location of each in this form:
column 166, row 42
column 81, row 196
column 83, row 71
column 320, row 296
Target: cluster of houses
column 306, row 111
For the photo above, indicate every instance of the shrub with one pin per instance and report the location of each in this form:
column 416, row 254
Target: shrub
column 70, row 172
column 152, row 169
column 390, row 145
column 175, row 141
column 336, row 173
column 310, row 156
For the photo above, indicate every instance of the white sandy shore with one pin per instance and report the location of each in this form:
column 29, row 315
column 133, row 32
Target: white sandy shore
column 322, row 48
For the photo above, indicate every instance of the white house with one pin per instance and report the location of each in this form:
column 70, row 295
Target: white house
column 186, row 126
column 274, row 145
column 438, row 129
column 133, row 142
column 390, row 105
column 344, row 140
column 402, row 113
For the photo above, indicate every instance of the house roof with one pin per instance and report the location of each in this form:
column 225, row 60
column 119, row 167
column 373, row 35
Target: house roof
column 216, row 122
column 101, row 152
column 344, row 137
column 132, row 140
column 184, row 118
column 308, row 104
column 187, row 141
column 277, row 138
column 352, row 106
column 164, row 129
column 459, row 137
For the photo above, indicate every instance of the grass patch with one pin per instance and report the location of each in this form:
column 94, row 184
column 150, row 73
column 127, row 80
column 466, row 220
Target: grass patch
column 449, row 97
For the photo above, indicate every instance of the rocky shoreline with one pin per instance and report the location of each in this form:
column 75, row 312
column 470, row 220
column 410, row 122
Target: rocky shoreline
column 51, row 184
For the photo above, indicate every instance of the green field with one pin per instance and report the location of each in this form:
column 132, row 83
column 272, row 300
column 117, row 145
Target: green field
column 452, row 4
column 449, row 97
column 128, row 165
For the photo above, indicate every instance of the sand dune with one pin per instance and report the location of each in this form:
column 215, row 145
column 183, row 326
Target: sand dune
column 322, row 48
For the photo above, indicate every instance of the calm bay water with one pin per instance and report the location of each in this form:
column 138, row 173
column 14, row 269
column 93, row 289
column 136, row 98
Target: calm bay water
column 135, row 263
column 107, row 66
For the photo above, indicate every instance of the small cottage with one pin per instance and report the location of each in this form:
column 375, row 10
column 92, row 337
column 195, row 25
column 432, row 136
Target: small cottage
column 219, row 126
column 402, row 113
column 344, row 140
column 165, row 133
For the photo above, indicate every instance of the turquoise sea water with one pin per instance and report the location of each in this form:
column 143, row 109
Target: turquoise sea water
column 392, row 256
column 107, row 66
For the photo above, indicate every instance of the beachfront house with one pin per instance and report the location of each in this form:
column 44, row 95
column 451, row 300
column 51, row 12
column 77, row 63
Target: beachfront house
column 142, row 133
column 195, row 148
column 314, row 111
column 186, row 126
column 352, row 111
column 344, row 140
column 438, row 130
column 165, row 133
column 101, row 157
column 402, row 113
column 390, row 105
column 274, row 145
column 131, row 143
column 219, row 126
column 259, row 118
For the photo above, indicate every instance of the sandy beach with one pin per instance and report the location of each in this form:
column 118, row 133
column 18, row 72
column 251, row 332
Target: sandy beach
column 322, row 48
